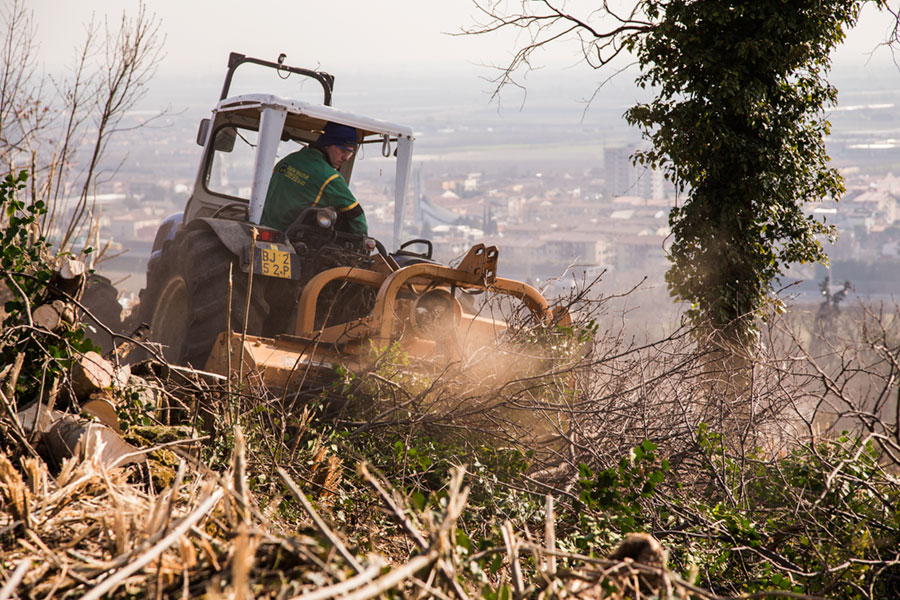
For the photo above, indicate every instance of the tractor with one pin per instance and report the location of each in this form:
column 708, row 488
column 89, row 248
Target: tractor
column 224, row 292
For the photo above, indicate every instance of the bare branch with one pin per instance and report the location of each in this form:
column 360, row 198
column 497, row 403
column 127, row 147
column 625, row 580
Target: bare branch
column 602, row 33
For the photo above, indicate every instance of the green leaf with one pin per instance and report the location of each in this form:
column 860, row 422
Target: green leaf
column 496, row 563
column 463, row 541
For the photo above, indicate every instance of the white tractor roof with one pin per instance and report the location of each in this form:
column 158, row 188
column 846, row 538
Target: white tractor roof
column 311, row 116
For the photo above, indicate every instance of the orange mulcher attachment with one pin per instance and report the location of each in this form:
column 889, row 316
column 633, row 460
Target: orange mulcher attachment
column 415, row 306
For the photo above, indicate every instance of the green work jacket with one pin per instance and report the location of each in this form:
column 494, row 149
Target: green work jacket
column 304, row 178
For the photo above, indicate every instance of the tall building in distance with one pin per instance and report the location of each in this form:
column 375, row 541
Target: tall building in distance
column 623, row 178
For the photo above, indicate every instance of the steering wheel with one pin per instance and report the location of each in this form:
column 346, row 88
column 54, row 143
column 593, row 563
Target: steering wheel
column 426, row 254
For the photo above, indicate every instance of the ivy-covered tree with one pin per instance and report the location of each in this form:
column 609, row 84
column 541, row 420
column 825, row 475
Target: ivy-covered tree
column 737, row 124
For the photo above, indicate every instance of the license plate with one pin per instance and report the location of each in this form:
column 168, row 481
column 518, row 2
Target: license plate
column 273, row 263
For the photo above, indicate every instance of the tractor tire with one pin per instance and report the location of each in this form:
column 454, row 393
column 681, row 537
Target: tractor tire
column 186, row 299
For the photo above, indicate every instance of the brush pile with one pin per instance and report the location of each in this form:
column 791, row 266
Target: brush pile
column 277, row 511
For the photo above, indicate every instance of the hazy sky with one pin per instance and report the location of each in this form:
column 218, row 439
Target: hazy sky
column 337, row 35
column 399, row 42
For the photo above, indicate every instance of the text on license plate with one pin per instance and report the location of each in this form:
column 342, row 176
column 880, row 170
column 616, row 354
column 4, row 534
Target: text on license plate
column 274, row 263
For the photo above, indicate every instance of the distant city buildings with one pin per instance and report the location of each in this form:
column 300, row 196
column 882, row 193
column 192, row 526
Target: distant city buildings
column 624, row 178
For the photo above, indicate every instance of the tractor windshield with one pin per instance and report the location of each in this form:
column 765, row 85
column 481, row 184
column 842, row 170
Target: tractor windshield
column 233, row 156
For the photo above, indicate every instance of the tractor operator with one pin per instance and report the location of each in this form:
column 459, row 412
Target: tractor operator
column 310, row 177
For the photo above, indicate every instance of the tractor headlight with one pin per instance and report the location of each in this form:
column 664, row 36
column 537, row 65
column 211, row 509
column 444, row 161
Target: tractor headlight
column 325, row 218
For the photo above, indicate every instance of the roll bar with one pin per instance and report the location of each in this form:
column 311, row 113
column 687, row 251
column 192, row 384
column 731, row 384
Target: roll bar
column 235, row 60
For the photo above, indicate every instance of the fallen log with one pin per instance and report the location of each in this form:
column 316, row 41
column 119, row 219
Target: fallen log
column 103, row 406
column 65, row 435
column 54, row 315
column 91, row 373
